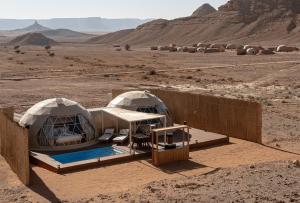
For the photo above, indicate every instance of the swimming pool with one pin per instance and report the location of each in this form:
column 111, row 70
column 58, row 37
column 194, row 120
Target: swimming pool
column 71, row 157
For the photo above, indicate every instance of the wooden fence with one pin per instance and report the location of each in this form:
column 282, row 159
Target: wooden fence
column 14, row 146
column 232, row 117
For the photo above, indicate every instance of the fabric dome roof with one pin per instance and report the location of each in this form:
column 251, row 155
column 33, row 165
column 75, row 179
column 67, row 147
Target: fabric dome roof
column 134, row 99
column 36, row 116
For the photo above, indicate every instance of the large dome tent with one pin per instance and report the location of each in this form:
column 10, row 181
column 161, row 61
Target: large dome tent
column 141, row 101
column 58, row 124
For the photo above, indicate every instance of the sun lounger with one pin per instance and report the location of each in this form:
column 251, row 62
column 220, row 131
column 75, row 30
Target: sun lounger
column 107, row 136
column 122, row 137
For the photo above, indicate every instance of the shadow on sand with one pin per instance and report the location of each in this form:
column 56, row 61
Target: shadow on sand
column 181, row 166
column 39, row 187
column 176, row 167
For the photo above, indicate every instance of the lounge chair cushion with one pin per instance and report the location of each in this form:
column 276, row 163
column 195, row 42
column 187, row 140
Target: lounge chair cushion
column 105, row 137
column 120, row 138
column 109, row 131
column 124, row 132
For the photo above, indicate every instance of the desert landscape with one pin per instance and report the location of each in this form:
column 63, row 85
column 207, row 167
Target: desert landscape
column 86, row 68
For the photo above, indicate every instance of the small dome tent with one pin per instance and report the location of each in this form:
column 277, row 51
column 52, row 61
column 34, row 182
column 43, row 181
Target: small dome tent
column 141, row 101
column 58, row 124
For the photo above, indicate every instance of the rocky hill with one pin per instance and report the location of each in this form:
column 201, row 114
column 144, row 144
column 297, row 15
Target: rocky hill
column 66, row 35
column 32, row 39
column 36, row 27
column 241, row 21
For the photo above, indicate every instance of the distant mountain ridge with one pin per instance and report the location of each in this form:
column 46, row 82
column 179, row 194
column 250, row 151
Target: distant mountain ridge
column 36, row 27
column 92, row 24
column 238, row 21
column 60, row 35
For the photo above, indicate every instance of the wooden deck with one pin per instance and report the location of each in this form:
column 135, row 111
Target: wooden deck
column 199, row 139
column 202, row 139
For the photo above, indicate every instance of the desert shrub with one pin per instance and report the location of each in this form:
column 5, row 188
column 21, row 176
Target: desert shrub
column 145, row 77
column 51, row 54
column 151, row 72
column 16, row 47
column 22, row 52
column 17, row 51
column 47, row 47
column 127, row 47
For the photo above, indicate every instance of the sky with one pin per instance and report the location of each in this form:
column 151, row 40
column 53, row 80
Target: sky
column 44, row 9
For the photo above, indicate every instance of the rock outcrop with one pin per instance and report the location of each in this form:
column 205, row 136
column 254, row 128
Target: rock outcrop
column 251, row 10
column 204, row 10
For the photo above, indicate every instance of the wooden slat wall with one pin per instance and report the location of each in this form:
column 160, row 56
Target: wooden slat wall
column 169, row 156
column 14, row 146
column 231, row 117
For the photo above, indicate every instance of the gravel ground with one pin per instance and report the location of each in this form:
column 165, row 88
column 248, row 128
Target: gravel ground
column 267, row 182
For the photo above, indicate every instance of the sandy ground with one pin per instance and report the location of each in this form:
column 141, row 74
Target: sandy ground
column 119, row 179
column 272, row 182
column 87, row 74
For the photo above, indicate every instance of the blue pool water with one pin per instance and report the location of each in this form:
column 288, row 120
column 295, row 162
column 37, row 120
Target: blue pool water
column 86, row 155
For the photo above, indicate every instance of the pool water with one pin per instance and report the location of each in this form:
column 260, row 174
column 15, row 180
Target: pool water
column 86, row 155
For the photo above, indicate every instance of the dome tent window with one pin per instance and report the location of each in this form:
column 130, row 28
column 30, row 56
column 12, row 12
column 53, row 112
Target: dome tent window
column 65, row 130
column 151, row 109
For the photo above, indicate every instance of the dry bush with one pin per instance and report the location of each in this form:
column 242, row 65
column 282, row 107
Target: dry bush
column 16, row 47
column 51, row 54
column 47, row 47
column 17, row 51
column 127, row 47
column 145, row 77
column 151, row 72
